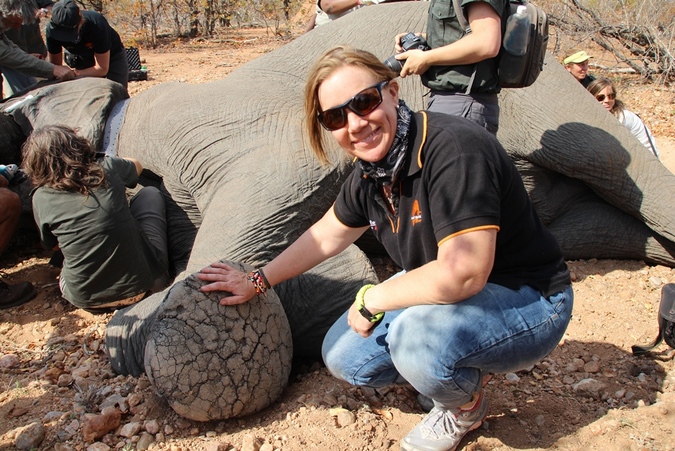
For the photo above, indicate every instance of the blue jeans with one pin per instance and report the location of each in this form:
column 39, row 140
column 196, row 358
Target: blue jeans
column 444, row 350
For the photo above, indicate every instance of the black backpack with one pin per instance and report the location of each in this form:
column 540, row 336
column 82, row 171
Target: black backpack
column 518, row 71
column 666, row 321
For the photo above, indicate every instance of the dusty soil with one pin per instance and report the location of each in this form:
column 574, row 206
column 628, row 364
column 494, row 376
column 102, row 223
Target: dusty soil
column 591, row 393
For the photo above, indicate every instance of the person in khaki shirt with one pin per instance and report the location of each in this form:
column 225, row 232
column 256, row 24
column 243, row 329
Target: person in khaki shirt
column 13, row 13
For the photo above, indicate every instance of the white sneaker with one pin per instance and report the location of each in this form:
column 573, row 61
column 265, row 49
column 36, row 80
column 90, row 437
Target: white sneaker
column 442, row 430
column 426, row 403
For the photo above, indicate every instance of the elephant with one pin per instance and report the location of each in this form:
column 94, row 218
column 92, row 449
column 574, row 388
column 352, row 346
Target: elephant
column 241, row 184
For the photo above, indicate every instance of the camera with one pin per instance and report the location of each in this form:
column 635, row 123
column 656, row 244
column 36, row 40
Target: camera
column 409, row 42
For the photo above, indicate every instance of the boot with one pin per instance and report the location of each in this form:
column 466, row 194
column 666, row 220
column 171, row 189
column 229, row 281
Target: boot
column 17, row 294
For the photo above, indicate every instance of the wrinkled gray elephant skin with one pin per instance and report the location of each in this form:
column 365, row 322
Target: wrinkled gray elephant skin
column 600, row 192
column 82, row 104
column 242, row 184
column 210, row 361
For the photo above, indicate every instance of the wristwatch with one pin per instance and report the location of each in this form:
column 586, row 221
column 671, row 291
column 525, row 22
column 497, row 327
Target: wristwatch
column 361, row 305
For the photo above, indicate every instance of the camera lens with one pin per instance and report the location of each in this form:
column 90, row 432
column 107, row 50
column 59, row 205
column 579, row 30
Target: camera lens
column 394, row 64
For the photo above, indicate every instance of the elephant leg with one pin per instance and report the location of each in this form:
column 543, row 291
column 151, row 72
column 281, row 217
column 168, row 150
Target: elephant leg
column 592, row 228
column 316, row 299
column 127, row 333
column 587, row 226
column 210, row 362
column 183, row 222
column 551, row 192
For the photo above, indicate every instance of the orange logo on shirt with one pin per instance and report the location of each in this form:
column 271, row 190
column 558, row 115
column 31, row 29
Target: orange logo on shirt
column 416, row 216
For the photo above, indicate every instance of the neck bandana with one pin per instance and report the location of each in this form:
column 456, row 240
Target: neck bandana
column 386, row 171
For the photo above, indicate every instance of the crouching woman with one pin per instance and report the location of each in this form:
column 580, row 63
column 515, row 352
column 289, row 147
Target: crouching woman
column 114, row 251
column 484, row 289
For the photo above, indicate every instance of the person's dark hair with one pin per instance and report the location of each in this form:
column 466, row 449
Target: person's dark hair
column 601, row 83
column 24, row 8
column 55, row 156
column 327, row 63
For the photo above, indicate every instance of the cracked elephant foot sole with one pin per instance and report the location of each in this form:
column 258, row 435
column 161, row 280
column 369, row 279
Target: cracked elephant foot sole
column 213, row 362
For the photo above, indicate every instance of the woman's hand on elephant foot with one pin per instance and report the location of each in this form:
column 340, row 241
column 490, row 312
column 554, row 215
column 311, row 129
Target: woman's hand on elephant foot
column 222, row 277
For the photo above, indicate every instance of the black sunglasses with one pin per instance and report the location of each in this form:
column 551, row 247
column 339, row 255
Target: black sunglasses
column 362, row 103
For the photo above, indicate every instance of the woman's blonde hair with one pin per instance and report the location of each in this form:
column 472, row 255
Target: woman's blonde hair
column 329, row 62
column 55, row 156
column 598, row 85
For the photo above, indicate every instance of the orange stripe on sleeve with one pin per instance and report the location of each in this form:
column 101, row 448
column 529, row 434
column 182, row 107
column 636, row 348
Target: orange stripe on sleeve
column 472, row 229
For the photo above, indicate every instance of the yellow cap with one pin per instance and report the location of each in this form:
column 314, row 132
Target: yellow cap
column 578, row 57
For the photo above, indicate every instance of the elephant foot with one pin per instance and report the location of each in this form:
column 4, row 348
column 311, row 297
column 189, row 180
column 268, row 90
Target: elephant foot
column 212, row 362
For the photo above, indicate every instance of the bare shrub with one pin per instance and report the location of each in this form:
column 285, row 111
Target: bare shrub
column 639, row 33
column 143, row 21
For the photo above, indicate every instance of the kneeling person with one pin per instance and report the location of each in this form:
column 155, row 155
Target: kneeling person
column 114, row 251
column 485, row 287
column 94, row 46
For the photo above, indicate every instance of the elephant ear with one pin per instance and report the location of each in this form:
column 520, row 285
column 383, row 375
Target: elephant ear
column 82, row 104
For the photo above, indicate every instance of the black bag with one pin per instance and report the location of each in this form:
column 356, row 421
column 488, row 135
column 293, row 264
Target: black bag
column 137, row 75
column 666, row 321
column 135, row 69
column 133, row 58
column 518, row 71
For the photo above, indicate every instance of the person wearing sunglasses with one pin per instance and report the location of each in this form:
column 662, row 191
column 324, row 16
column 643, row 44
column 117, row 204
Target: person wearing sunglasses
column 604, row 91
column 484, row 287
column 460, row 69
column 576, row 63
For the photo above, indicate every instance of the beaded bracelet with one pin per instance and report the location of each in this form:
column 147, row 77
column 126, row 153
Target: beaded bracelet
column 262, row 274
column 259, row 281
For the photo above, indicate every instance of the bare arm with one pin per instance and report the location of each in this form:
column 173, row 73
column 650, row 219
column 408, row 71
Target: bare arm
column 60, row 71
column 326, row 238
column 482, row 43
column 337, row 6
column 340, row 6
column 55, row 58
column 100, row 67
column 311, row 23
column 461, row 270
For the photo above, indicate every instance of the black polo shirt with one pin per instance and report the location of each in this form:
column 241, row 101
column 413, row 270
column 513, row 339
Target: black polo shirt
column 457, row 179
column 96, row 36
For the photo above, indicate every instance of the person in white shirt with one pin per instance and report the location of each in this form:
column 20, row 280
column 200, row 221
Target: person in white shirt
column 605, row 92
